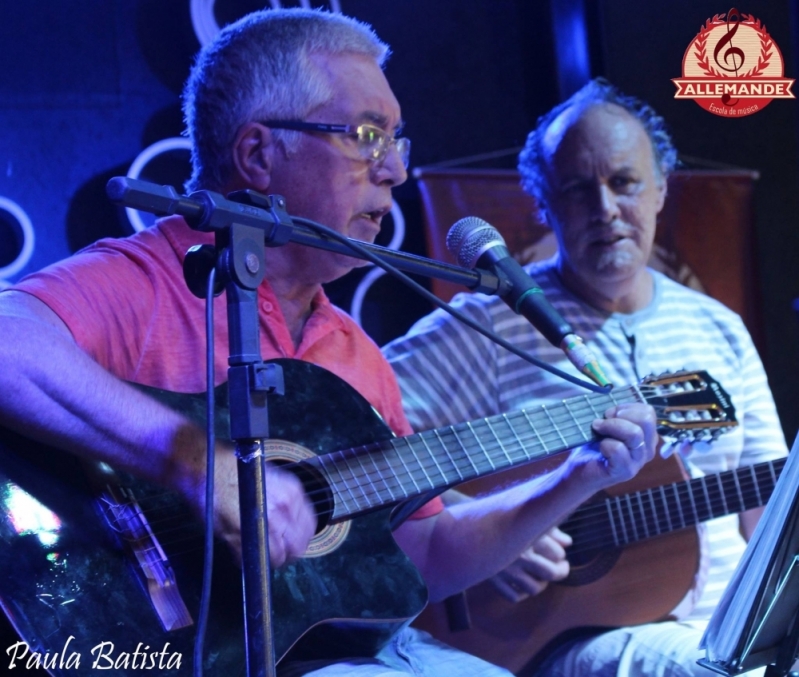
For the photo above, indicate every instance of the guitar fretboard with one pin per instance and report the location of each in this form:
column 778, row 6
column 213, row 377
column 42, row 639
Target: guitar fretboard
column 364, row 478
column 620, row 520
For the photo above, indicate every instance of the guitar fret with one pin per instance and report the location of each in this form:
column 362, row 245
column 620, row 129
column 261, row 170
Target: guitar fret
column 518, row 439
column 359, row 483
column 757, row 485
column 335, row 483
column 408, row 471
column 419, row 463
column 623, row 522
column 554, row 425
column 435, row 460
column 479, row 444
column 387, row 473
column 739, row 492
column 590, row 402
column 386, row 476
column 666, row 508
column 656, row 518
column 707, row 495
column 773, row 476
column 465, row 453
column 499, row 442
column 629, row 503
column 609, row 509
column 397, row 472
column 368, row 479
column 643, row 514
column 449, row 456
column 598, row 525
column 723, row 497
column 693, row 502
column 535, row 432
column 577, row 425
column 346, row 465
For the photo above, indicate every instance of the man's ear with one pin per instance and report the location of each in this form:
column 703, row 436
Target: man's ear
column 662, row 190
column 253, row 156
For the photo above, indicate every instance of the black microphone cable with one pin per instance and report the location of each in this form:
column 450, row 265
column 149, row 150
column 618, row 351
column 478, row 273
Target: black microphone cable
column 391, row 270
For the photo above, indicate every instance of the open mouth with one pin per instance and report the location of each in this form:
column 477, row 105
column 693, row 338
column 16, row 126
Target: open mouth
column 375, row 215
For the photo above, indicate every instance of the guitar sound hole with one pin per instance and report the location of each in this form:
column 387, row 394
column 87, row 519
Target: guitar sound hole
column 588, row 566
column 317, row 490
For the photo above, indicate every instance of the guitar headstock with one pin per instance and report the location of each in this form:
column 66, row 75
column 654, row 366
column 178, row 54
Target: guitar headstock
column 690, row 405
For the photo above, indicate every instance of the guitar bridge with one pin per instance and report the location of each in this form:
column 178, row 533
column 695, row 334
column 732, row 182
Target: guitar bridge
column 162, row 587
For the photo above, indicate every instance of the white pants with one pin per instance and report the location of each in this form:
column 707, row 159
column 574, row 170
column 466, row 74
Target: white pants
column 668, row 649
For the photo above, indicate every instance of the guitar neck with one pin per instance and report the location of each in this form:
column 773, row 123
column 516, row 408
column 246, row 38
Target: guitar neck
column 620, row 520
column 368, row 477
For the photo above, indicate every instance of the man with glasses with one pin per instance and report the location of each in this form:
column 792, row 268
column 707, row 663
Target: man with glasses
column 292, row 103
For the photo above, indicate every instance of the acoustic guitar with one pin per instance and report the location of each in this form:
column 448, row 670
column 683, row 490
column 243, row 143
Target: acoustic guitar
column 99, row 571
column 633, row 558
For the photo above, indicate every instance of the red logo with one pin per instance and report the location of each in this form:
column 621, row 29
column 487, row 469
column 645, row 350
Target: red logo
column 733, row 67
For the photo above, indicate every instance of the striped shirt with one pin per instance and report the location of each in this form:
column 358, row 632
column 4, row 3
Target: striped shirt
column 449, row 373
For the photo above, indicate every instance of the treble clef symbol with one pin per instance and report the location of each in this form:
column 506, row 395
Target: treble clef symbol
column 731, row 52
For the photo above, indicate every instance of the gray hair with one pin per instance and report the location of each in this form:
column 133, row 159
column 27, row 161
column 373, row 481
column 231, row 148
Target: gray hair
column 533, row 159
column 258, row 68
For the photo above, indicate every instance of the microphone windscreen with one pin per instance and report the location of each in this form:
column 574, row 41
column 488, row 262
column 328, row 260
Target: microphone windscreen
column 469, row 238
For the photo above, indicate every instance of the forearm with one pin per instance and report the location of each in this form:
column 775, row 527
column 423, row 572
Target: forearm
column 52, row 391
column 474, row 539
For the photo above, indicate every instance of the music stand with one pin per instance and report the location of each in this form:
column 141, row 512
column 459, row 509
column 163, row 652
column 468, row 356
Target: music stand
column 762, row 628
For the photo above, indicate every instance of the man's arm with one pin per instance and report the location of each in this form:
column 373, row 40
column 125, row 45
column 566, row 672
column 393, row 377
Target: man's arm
column 473, row 540
column 52, row 391
column 748, row 521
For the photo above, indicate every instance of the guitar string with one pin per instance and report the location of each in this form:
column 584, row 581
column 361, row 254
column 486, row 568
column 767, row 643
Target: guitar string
column 421, row 471
column 493, row 437
column 591, row 525
column 750, row 496
column 600, row 529
column 478, row 443
column 422, row 467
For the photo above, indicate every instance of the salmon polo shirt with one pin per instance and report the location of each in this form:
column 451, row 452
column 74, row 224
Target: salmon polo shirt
column 127, row 305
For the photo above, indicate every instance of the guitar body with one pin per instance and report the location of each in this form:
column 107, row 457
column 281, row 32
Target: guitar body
column 71, row 588
column 640, row 583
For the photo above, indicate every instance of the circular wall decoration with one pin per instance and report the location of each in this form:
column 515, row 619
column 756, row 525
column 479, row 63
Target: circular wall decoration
column 15, row 228
column 206, row 27
column 161, row 147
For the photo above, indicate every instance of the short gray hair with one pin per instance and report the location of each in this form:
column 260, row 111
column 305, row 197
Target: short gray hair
column 258, row 68
column 533, row 159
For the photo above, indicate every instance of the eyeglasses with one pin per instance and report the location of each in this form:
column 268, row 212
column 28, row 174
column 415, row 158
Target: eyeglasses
column 372, row 142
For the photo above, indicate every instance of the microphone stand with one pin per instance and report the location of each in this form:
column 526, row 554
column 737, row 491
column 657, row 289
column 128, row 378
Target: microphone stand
column 238, row 257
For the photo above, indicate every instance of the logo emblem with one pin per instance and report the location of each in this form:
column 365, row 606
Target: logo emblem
column 733, row 67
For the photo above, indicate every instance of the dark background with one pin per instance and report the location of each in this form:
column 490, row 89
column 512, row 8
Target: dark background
column 86, row 85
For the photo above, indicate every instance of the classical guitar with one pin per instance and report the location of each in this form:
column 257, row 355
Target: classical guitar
column 104, row 572
column 634, row 556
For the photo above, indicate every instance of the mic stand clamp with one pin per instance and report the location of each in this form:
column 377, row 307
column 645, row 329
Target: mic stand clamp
column 239, row 261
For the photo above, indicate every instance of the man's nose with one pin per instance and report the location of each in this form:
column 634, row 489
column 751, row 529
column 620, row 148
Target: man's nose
column 391, row 169
column 606, row 205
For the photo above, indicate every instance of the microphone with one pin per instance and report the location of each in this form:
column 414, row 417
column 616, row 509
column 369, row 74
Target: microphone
column 475, row 242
